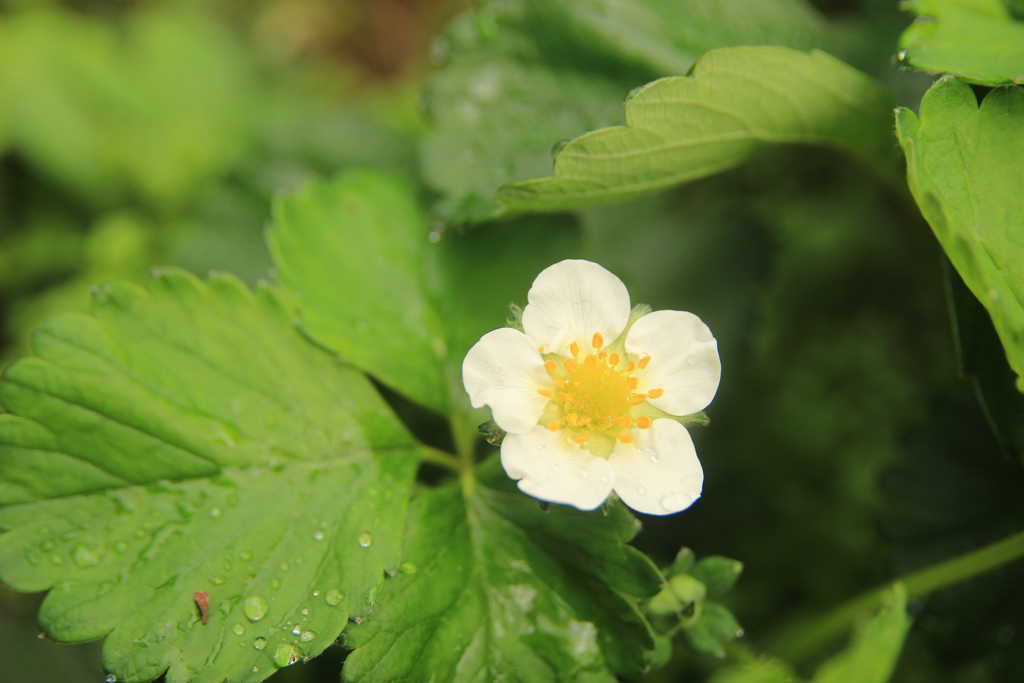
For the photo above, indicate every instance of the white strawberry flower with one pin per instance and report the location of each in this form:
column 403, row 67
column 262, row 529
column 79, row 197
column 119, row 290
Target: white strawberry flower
column 593, row 398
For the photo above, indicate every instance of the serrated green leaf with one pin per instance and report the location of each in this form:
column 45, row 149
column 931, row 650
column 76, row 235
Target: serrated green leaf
column 364, row 232
column 505, row 591
column 965, row 171
column 718, row 573
column 186, row 438
column 523, row 75
column 871, row 656
column 351, row 251
column 738, row 101
column 978, row 41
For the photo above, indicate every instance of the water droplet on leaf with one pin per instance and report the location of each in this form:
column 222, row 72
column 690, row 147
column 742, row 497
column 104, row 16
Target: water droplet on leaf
column 255, row 607
column 333, row 597
column 259, row 644
column 407, row 568
column 238, row 630
column 365, row 539
column 285, row 655
column 307, row 636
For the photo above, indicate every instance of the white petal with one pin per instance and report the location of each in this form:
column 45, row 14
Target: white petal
column 504, row 370
column 684, row 360
column 550, row 467
column 659, row 473
column 572, row 300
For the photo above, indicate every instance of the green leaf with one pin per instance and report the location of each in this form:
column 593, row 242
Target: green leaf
column 965, row 171
column 522, row 75
column 351, row 251
column 186, row 438
column 978, row 41
column 364, row 232
column 872, row 654
column 505, row 591
column 118, row 114
column 738, row 101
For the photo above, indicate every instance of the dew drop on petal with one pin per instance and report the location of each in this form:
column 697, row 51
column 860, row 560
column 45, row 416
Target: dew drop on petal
column 641, row 490
column 584, row 474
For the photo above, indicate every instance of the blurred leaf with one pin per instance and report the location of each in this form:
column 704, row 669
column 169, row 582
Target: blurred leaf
column 871, row 656
column 965, row 169
column 522, row 75
column 952, row 492
column 982, row 359
column 500, row 590
column 351, row 252
column 737, row 101
column 186, row 438
column 978, row 41
column 761, row 671
column 117, row 112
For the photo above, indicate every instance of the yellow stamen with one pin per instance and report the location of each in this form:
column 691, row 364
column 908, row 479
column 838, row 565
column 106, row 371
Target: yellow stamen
column 550, row 367
column 575, row 348
column 602, row 355
column 553, row 425
column 643, row 422
column 560, row 384
column 637, row 399
column 570, row 364
column 625, row 421
column 541, row 349
column 630, row 366
column 572, row 419
column 590, row 361
column 632, row 382
column 625, row 438
column 598, row 340
column 644, row 361
column 566, row 397
column 613, row 359
column 581, row 438
column 544, row 392
column 585, row 420
column 655, row 393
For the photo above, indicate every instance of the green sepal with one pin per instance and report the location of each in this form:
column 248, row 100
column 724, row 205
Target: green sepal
column 718, row 573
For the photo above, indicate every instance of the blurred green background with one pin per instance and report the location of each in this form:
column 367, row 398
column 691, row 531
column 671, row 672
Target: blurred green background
column 844, row 450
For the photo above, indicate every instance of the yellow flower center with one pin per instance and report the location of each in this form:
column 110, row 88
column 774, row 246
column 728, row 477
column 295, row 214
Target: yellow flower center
column 595, row 397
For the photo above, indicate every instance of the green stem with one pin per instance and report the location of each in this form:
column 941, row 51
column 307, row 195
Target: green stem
column 440, row 458
column 796, row 644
